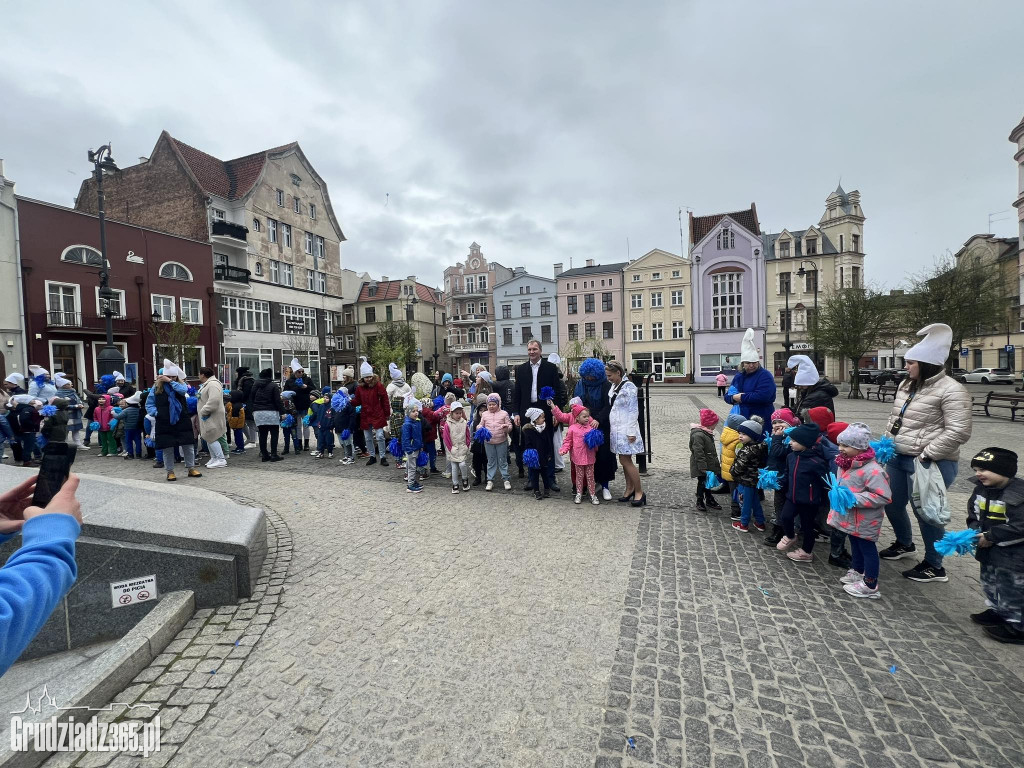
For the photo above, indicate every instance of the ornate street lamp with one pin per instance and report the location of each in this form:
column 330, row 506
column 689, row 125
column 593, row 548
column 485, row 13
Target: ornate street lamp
column 109, row 359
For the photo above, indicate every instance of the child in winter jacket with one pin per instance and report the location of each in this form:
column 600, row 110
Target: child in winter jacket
column 560, row 417
column 412, row 444
column 104, row 414
column 292, row 434
column 730, row 442
column 751, row 456
column 778, row 453
column 131, row 420
column 236, row 422
column 996, row 511
column 866, row 478
column 536, row 436
column 804, row 486
column 457, row 437
column 582, row 455
column 498, row 423
column 345, row 423
column 431, row 421
column 477, row 449
column 24, row 420
column 704, row 457
column 321, row 421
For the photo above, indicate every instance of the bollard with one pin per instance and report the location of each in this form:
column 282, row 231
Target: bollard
column 643, row 387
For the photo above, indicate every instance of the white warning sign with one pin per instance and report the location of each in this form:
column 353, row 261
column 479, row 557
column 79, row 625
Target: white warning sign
column 133, row 591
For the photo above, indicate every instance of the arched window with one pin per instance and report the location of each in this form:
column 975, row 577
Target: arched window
column 172, row 270
column 259, row 269
column 484, row 336
column 82, row 254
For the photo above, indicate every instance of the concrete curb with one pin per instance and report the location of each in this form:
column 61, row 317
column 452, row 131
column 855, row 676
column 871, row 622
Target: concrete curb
column 112, row 671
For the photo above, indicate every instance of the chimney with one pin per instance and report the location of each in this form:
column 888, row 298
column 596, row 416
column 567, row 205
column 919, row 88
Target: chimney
column 383, row 278
column 590, row 262
column 558, row 268
column 411, row 278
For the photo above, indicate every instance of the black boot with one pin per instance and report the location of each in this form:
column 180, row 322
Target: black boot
column 522, row 472
column 775, row 536
column 305, row 444
column 285, row 451
column 712, row 502
column 701, row 507
column 477, row 480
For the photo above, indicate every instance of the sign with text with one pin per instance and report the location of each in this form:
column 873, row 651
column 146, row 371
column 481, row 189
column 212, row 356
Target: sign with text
column 132, row 591
column 294, row 325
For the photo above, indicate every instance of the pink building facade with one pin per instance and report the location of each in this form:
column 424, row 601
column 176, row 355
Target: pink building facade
column 590, row 307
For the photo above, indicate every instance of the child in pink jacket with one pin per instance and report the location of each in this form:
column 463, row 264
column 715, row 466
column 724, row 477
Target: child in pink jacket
column 104, row 414
column 558, row 416
column 582, row 457
column 499, row 425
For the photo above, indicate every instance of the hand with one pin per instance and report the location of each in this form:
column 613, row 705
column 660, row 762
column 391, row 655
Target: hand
column 984, row 543
column 563, row 453
column 63, row 503
column 550, row 402
column 737, row 398
column 517, row 421
column 632, row 438
column 925, row 462
column 13, row 504
column 163, row 378
column 778, row 430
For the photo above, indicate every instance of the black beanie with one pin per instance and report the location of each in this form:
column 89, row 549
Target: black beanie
column 998, row 460
column 806, row 434
column 267, row 373
column 242, row 369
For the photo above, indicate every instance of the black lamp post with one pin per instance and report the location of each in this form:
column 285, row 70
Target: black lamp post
column 109, row 359
column 693, row 370
column 786, row 345
column 802, row 272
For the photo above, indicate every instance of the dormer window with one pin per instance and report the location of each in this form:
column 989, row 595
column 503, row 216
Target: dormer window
column 784, row 250
column 811, row 246
column 726, row 240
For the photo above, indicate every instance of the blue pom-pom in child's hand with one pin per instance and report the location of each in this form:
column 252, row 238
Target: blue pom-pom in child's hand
column 768, row 479
column 49, row 410
column 840, row 498
column 958, row 543
column 482, row 435
column 710, row 479
column 41, row 440
column 438, row 403
column 94, row 426
column 305, row 420
column 547, row 393
column 113, row 424
column 884, row 449
column 394, row 448
column 149, row 442
column 531, row 458
column 594, row 439
column 346, row 434
column 422, row 459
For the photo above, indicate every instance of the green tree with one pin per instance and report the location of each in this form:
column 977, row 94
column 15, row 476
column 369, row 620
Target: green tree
column 967, row 294
column 391, row 342
column 575, row 352
column 176, row 341
column 851, row 322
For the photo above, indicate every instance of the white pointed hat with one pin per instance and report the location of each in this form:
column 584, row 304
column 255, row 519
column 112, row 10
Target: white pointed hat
column 806, row 373
column 18, row 379
column 295, row 365
column 393, row 370
column 171, row 370
column 365, row 369
column 934, row 347
column 118, row 376
column 554, row 358
column 59, row 381
column 37, row 370
column 748, row 351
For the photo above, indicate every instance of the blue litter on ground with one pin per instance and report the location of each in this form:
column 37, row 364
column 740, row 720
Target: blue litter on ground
column 893, row 669
column 632, row 744
column 238, row 642
column 765, row 592
column 213, row 671
column 392, row 522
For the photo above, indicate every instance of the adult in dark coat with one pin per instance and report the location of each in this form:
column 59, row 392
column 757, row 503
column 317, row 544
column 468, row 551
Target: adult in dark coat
column 813, row 390
column 531, row 378
column 593, row 388
column 244, row 381
column 505, row 387
column 265, row 406
column 167, row 406
column 787, row 384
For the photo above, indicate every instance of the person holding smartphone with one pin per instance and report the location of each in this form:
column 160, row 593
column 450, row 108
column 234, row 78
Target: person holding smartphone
column 39, row 574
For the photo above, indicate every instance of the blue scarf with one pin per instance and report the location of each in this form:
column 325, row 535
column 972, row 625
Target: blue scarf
column 173, row 404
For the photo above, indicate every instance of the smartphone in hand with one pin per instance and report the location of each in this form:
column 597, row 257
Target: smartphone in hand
column 53, row 471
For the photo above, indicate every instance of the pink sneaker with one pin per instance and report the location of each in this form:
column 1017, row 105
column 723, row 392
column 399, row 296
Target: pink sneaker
column 784, row 543
column 860, row 589
column 799, row 556
column 851, row 577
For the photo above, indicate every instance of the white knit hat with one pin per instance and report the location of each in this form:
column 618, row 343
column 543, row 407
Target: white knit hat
column 748, row 352
column 134, row 399
column 37, row 370
column 393, row 370
column 934, row 347
column 118, row 376
column 554, row 358
column 533, row 413
column 806, row 373
column 365, row 370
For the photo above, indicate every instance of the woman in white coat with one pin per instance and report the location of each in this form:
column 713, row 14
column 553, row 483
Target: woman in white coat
column 624, row 430
column 213, row 423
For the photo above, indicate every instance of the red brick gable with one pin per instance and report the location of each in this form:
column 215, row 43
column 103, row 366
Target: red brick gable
column 700, row 226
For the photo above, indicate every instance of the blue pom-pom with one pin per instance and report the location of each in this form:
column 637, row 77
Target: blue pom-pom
column 884, row 449
column 190, row 390
column 192, row 403
column 118, row 411
column 840, row 498
column 94, row 426
column 288, row 421
column 531, row 458
column 482, row 435
column 339, row 401
column 298, row 381
column 768, row 479
column 49, row 410
column 711, row 479
column 112, row 424
column 305, row 420
column 346, row 434
column 149, row 442
column 594, row 439
column 958, row 543
column 768, row 441
column 41, row 440
column 40, row 379
column 438, row 403
column 422, row 459
column 547, row 393
column 592, row 368
column 394, row 448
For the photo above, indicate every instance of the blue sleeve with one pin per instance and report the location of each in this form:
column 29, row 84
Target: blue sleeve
column 180, row 388
column 763, row 391
column 34, row 579
column 151, row 404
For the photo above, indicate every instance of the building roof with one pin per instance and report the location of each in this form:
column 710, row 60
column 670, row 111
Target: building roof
column 701, row 225
column 232, row 179
column 594, row 270
column 1016, row 132
column 825, row 246
column 390, row 290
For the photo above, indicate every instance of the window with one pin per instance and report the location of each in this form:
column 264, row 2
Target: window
column 675, row 273
column 371, row 291
column 856, row 243
column 280, row 198
column 116, row 303
column 842, row 284
column 312, row 210
column 784, row 250
column 470, row 284
column 655, row 275
column 574, row 331
column 527, row 333
column 191, row 359
column 638, row 332
column 636, row 301
column 524, row 309
column 545, row 334
column 281, row 273
column 272, row 230
column 727, row 300
column 254, row 359
column 192, row 311
column 657, row 331
column 247, row 314
column 677, row 298
column 322, row 253
column 590, row 330
column 677, row 329
column 545, row 307
column 316, row 281
column 163, row 306
column 350, row 341
column 571, row 306
column 296, row 205
column 588, row 302
column 842, row 241
column 506, row 337
column 172, row 270
column 286, row 230
column 470, row 307
column 481, row 283
column 785, row 320
column 656, row 299
column 606, row 302
column 471, row 336
column 785, row 282
column 811, row 246
column 310, row 361
column 256, row 225
column 855, row 274
column 611, row 282
column 218, row 214
column 259, row 269
column 82, row 254
column 389, row 312
column 371, row 314
column 299, row 320
column 62, row 304
column 636, row 278
column 726, row 240
column 485, row 336
column 506, row 311
column 811, row 280
column 309, row 243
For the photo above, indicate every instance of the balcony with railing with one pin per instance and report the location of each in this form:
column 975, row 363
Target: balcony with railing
column 469, row 347
column 229, row 274
column 468, row 319
column 459, row 291
column 227, row 233
column 80, row 322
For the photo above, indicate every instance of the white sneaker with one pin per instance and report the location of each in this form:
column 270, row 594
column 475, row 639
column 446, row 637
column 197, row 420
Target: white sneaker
column 578, row 498
column 489, row 486
column 508, row 486
column 593, row 499
column 851, row 577
column 606, row 494
column 315, row 454
column 216, row 463
column 860, row 589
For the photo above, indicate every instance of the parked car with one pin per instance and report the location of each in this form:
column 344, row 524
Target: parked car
column 867, row 375
column 988, row 376
column 956, row 373
column 890, row 376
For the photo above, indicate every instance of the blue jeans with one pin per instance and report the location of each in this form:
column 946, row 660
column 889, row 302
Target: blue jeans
column 865, row 559
column 901, row 480
column 431, row 451
column 751, row 505
column 133, row 442
column 371, row 436
column 239, row 439
column 497, row 460
column 325, row 439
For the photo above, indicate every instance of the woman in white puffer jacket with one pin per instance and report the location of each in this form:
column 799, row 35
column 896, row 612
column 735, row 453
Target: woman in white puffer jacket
column 930, row 420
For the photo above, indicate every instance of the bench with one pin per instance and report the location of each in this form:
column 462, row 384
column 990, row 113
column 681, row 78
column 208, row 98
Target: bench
column 883, row 391
column 992, row 400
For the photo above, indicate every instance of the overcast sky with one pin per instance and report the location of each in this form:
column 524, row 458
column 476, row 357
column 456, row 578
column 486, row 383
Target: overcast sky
column 545, row 131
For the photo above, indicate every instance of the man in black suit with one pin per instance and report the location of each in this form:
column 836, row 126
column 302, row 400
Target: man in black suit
column 531, row 378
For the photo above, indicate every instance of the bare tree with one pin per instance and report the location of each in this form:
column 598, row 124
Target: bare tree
column 176, row 341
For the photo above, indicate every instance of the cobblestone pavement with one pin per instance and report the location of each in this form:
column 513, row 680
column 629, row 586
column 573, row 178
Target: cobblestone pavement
column 492, row 629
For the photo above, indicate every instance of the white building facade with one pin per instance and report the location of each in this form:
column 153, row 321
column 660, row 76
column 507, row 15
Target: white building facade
column 525, row 308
